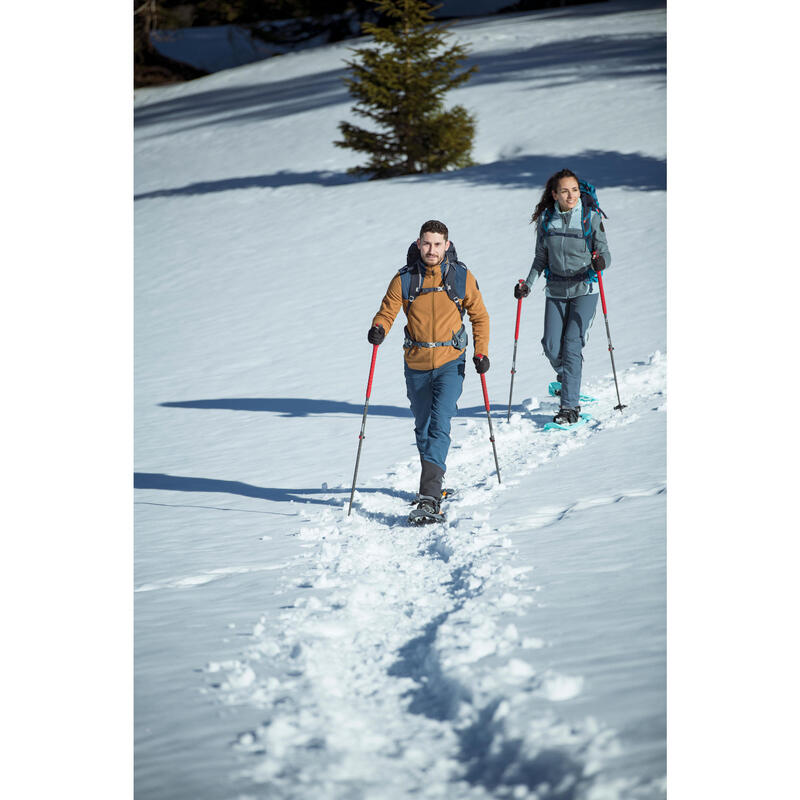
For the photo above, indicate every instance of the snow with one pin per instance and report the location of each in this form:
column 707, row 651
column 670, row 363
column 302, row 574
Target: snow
column 68, row 407
column 222, row 47
column 284, row 649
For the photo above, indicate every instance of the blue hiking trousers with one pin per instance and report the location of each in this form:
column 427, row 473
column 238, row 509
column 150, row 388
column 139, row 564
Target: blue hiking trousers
column 433, row 395
column 566, row 331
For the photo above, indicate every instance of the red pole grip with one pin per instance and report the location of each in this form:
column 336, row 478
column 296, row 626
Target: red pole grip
column 602, row 293
column 519, row 309
column 600, row 283
column 371, row 369
column 485, row 393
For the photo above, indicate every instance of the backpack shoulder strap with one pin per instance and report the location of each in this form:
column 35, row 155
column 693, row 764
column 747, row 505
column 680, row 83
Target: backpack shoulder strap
column 455, row 283
column 410, row 281
column 547, row 215
column 586, row 226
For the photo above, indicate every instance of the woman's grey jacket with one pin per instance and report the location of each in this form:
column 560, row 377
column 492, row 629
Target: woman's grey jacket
column 563, row 251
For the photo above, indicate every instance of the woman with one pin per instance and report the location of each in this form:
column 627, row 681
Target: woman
column 571, row 247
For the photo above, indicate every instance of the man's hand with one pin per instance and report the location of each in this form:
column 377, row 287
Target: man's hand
column 598, row 262
column 521, row 289
column 481, row 364
column 376, row 334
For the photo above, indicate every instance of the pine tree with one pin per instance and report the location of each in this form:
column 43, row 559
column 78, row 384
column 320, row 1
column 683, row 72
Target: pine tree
column 400, row 85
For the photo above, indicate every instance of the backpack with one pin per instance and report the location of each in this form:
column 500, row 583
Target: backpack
column 454, row 279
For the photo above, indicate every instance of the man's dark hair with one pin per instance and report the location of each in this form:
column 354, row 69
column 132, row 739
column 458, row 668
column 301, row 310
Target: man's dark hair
column 434, row 226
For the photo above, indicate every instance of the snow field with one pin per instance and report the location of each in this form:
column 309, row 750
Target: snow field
column 285, row 650
column 403, row 672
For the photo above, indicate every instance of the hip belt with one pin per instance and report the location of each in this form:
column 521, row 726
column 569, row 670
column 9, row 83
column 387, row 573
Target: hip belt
column 459, row 340
column 586, row 274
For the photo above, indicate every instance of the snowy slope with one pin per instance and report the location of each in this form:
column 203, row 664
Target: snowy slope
column 225, row 46
column 284, row 649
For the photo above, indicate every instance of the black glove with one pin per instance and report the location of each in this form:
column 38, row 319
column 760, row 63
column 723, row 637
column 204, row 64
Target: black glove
column 481, row 364
column 521, row 289
column 376, row 334
column 598, row 262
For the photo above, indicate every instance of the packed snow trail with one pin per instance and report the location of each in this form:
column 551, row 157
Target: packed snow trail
column 398, row 671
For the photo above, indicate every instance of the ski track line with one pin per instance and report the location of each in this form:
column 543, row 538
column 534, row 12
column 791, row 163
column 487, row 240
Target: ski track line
column 395, row 671
column 549, row 515
column 205, row 577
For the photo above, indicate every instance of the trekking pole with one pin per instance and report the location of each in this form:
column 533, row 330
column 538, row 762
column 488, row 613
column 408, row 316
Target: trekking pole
column 514, row 360
column 363, row 424
column 610, row 346
column 489, row 417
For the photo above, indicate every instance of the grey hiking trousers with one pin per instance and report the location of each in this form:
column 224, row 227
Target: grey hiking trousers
column 566, row 331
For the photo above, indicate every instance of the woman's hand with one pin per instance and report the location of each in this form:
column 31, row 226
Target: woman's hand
column 521, row 289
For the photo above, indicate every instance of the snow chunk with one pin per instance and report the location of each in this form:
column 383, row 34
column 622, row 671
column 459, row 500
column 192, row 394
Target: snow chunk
column 561, row 687
column 518, row 671
column 532, row 643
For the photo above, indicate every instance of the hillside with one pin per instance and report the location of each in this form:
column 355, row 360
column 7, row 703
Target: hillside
column 286, row 650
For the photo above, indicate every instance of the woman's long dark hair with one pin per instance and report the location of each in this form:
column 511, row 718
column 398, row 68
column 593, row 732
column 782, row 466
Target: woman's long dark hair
column 550, row 187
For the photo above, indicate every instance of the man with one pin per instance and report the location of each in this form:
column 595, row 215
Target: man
column 434, row 290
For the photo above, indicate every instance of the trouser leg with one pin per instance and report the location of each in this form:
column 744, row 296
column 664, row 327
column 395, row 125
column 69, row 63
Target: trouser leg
column 555, row 312
column 419, row 389
column 434, row 396
column 447, row 385
column 579, row 317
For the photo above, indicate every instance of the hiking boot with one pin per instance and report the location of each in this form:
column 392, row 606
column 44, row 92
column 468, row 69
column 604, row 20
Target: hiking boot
column 428, row 510
column 430, row 505
column 567, row 416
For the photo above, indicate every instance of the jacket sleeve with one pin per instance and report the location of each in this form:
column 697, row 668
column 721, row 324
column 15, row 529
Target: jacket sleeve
column 390, row 305
column 478, row 315
column 539, row 258
column 599, row 238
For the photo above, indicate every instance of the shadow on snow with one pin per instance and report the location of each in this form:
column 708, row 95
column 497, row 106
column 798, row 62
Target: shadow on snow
column 179, row 483
column 260, row 101
column 604, row 168
column 276, row 180
column 568, row 61
column 306, row 407
column 580, row 60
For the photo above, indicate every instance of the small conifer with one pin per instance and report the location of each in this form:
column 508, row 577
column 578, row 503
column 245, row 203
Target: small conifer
column 400, row 85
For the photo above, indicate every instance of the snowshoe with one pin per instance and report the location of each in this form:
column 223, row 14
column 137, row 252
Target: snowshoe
column 561, row 422
column 448, row 494
column 554, row 390
column 427, row 512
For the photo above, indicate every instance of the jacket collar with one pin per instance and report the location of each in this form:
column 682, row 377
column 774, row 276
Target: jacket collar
column 578, row 208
